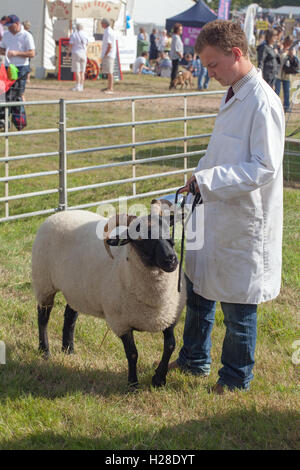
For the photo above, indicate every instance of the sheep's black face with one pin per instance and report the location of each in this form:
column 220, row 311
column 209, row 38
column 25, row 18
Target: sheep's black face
column 158, row 253
column 155, row 246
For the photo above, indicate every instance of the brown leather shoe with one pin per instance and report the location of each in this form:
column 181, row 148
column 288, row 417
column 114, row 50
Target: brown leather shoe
column 172, row 365
column 218, row 389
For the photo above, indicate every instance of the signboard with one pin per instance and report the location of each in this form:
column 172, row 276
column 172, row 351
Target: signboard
column 64, row 63
column 262, row 25
column 127, row 49
column 289, row 24
column 96, row 9
column 88, row 9
column 60, row 9
column 189, row 36
column 224, row 9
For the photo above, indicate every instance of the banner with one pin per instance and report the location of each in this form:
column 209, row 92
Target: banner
column 249, row 23
column 189, row 35
column 88, row 9
column 262, row 25
column 224, row 9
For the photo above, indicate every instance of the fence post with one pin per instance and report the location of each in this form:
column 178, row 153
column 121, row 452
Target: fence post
column 133, row 146
column 6, row 129
column 63, row 195
column 185, row 164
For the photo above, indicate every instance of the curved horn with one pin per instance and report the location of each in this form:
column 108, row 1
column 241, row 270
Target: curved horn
column 158, row 206
column 113, row 222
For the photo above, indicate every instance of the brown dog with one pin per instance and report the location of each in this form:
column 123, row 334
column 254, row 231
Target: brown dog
column 184, row 77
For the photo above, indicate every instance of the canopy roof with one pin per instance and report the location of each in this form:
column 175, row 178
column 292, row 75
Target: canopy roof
column 196, row 16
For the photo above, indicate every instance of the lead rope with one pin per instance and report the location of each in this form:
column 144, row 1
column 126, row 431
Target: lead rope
column 197, row 200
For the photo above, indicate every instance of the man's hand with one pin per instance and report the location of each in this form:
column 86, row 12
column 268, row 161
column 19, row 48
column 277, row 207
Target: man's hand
column 12, row 53
column 186, row 188
column 30, row 53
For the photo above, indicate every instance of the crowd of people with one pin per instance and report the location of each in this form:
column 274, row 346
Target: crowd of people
column 164, row 56
column 18, row 47
column 277, row 58
column 160, row 54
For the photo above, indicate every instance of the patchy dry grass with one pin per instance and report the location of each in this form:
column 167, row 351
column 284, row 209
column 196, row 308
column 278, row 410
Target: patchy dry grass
column 82, row 401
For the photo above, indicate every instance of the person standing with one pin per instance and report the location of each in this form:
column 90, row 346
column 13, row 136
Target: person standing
column 203, row 79
column 78, row 47
column 2, row 24
column 240, row 180
column 27, row 27
column 176, row 53
column 162, row 41
column 287, row 55
column 269, row 59
column 108, row 54
column 18, row 47
column 153, row 53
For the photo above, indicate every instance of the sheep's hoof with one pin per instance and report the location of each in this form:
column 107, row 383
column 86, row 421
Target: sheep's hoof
column 158, row 381
column 68, row 350
column 133, row 386
column 45, row 354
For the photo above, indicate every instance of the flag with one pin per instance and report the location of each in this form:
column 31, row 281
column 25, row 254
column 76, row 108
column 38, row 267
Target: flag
column 224, row 9
column 5, row 83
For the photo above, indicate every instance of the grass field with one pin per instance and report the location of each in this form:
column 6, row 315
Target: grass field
column 82, row 401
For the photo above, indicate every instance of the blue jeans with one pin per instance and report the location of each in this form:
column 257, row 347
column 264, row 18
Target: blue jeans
column 286, row 92
column 238, row 345
column 203, row 73
column 147, row 72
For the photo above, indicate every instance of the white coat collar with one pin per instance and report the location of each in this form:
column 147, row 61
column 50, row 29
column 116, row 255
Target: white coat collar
column 243, row 92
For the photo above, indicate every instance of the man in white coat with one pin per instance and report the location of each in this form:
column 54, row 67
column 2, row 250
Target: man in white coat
column 241, row 184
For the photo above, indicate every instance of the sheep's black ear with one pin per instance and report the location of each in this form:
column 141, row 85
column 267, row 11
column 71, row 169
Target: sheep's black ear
column 117, row 241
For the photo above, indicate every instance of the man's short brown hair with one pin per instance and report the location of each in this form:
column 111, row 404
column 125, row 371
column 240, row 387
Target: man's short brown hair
column 222, row 34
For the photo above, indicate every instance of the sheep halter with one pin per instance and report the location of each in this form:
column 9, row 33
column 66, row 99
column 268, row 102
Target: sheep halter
column 197, row 200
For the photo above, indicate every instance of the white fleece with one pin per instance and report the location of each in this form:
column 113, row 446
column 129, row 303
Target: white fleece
column 68, row 256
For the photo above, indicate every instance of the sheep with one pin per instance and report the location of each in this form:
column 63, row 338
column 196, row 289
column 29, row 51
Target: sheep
column 130, row 282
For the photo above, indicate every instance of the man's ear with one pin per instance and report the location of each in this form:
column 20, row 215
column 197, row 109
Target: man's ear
column 237, row 53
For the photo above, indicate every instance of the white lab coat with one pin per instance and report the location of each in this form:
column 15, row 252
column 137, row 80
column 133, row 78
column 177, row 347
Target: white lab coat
column 241, row 182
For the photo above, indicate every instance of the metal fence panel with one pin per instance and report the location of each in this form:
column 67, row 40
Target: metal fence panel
column 291, row 160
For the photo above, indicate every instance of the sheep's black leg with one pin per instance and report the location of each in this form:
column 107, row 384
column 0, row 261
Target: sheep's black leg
column 43, row 318
column 159, row 378
column 132, row 356
column 68, row 330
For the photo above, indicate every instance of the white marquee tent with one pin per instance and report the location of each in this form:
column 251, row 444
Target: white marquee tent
column 41, row 27
column 153, row 13
column 287, row 10
column 146, row 13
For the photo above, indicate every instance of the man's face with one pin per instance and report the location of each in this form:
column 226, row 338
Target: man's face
column 220, row 66
column 14, row 28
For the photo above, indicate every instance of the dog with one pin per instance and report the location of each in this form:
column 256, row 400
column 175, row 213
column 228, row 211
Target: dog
column 184, row 77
